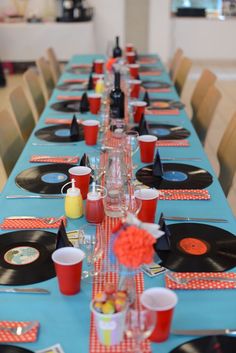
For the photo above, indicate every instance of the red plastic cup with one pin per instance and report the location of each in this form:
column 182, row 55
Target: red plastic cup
column 98, row 66
column 129, row 47
column 163, row 302
column 149, row 199
column 135, row 86
column 91, row 128
column 68, row 265
column 147, row 144
column 134, row 70
column 82, row 177
column 130, row 57
column 138, row 110
column 94, row 102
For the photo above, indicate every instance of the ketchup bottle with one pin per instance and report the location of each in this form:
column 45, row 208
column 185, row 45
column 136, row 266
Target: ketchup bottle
column 94, row 211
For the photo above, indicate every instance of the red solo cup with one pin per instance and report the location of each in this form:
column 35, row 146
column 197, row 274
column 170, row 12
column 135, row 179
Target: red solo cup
column 130, row 57
column 147, row 144
column 149, row 199
column 163, row 302
column 135, row 86
column 68, row 265
column 98, row 66
column 94, row 102
column 91, row 128
column 138, row 110
column 82, row 177
column 96, row 77
column 134, row 70
column 129, row 47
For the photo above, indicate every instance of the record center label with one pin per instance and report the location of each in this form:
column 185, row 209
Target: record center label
column 54, row 178
column 63, row 132
column 21, row 255
column 161, row 131
column 193, row 246
column 173, row 175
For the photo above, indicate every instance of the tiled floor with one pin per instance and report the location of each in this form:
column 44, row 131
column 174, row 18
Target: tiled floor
column 227, row 84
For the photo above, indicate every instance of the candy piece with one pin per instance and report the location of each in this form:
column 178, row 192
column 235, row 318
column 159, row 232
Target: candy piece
column 120, row 304
column 98, row 307
column 109, row 288
column 100, row 297
column 121, row 294
column 108, row 308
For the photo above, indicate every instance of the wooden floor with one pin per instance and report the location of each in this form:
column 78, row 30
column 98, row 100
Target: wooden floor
column 226, row 74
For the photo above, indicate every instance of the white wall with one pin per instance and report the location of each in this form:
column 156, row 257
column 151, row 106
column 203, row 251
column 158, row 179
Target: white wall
column 160, row 28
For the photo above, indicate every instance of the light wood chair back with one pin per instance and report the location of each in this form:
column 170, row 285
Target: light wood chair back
column 46, row 77
column 54, row 64
column 226, row 155
column 3, row 176
column 11, row 141
column 22, row 112
column 32, row 82
column 206, row 80
column 182, row 74
column 174, row 64
column 206, row 112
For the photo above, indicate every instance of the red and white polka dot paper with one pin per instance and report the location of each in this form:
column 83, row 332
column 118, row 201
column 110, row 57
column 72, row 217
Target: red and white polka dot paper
column 52, row 159
column 7, row 336
column 184, row 194
column 36, row 223
column 172, row 143
column 59, row 121
column 200, row 283
column 162, row 112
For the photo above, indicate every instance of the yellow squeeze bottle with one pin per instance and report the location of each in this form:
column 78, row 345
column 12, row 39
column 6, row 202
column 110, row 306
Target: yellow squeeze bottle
column 100, row 86
column 73, row 202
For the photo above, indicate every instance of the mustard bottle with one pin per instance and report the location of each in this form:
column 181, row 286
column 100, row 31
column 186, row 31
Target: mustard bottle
column 73, row 202
column 100, row 86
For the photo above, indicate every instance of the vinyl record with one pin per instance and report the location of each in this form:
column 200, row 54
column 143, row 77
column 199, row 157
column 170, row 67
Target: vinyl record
column 167, row 132
column 25, row 257
column 44, row 179
column 161, row 104
column 6, row 348
column 70, row 106
column 80, row 69
column 208, row 344
column 72, row 86
column 155, row 84
column 58, row 133
column 176, row 176
column 198, row 247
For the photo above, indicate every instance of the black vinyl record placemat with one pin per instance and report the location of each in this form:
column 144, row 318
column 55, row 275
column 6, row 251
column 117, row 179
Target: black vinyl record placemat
column 176, row 176
column 155, row 84
column 208, row 344
column 59, row 133
column 72, row 86
column 70, row 106
column 80, row 69
column 167, row 132
column 25, row 257
column 198, row 247
column 44, row 179
column 161, row 104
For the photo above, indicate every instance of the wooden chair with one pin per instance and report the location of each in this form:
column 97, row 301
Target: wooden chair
column 206, row 80
column 174, row 64
column 31, row 80
column 46, row 77
column 11, row 141
column 54, row 64
column 226, row 155
column 182, row 74
column 206, row 112
column 22, row 112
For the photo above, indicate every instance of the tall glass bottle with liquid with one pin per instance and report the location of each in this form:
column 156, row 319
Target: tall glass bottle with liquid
column 117, row 52
column 117, row 100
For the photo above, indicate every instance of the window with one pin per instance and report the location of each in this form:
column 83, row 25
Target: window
column 210, row 5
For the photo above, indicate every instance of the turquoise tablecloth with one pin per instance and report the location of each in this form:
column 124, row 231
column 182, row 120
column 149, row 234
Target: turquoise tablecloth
column 66, row 320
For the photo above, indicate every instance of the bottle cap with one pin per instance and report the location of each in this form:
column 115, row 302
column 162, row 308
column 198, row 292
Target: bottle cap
column 73, row 191
column 94, row 195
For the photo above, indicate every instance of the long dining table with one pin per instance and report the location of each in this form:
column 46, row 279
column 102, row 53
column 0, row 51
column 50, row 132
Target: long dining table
column 66, row 319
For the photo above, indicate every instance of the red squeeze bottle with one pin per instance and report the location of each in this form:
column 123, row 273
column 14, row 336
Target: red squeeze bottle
column 94, row 211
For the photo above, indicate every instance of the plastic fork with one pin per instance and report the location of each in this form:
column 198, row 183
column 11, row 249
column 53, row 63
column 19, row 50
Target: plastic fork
column 19, row 329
